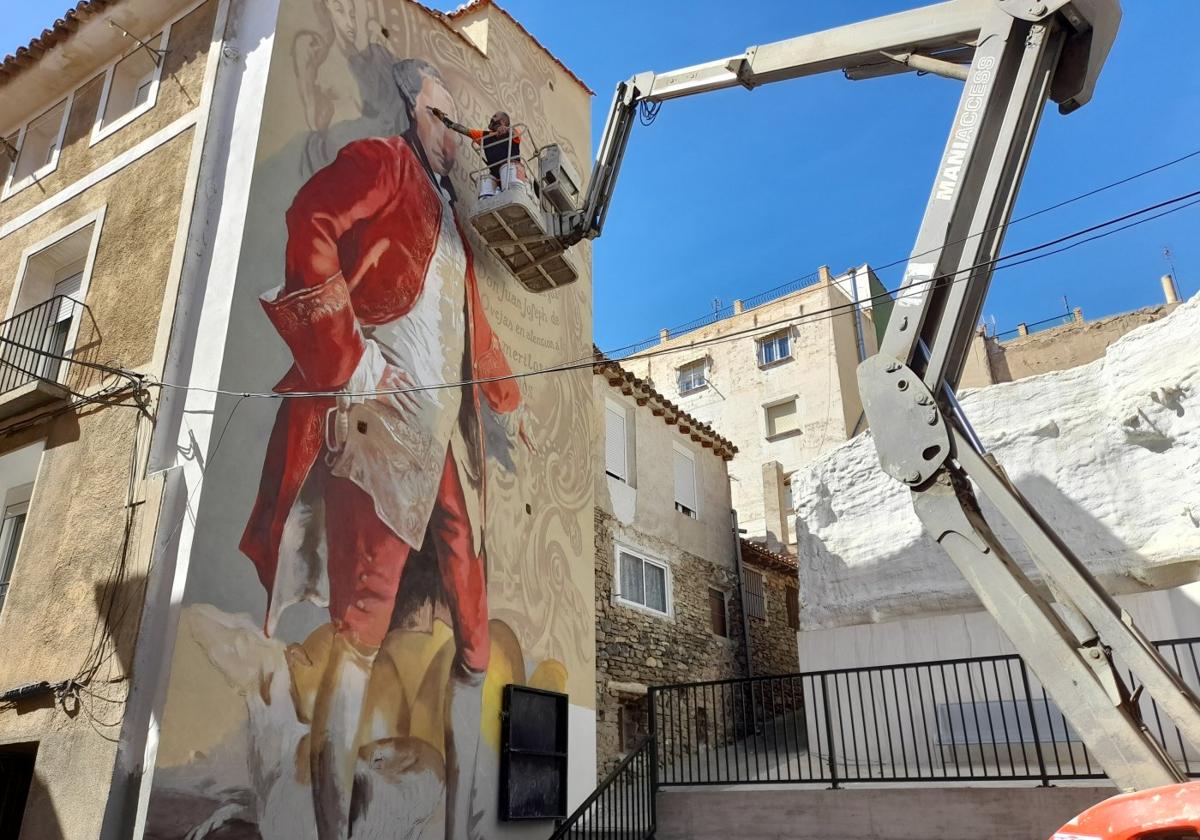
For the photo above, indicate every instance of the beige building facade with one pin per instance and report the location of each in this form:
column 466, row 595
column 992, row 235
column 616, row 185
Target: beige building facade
column 102, row 140
column 150, row 152
column 779, row 379
column 993, row 359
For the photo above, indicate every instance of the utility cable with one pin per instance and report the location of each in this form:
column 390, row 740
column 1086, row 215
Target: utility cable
column 892, row 294
column 998, row 263
column 902, row 260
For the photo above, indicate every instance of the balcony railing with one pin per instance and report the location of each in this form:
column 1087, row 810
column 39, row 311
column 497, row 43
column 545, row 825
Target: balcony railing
column 34, row 345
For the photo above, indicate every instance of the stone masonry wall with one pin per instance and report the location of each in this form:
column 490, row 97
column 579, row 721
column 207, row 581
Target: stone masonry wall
column 635, row 649
column 772, row 642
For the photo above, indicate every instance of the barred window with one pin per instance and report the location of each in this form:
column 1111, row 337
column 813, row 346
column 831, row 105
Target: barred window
column 756, row 599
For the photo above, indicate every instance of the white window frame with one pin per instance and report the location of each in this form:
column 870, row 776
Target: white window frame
column 96, row 219
column 620, row 548
column 703, row 363
column 17, row 508
column 761, row 342
column 99, row 130
column 767, row 406
column 691, row 456
column 11, row 186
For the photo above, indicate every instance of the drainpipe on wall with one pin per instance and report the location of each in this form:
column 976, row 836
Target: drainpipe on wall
column 737, row 555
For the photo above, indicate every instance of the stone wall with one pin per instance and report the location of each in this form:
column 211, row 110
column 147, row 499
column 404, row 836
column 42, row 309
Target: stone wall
column 773, row 644
column 636, row 649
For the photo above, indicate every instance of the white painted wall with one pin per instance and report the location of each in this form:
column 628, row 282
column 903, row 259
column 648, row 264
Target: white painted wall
column 1108, row 452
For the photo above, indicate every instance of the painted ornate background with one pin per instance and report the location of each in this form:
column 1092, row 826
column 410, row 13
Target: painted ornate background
column 233, row 737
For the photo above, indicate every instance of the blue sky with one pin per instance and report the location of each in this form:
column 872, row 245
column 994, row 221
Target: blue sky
column 732, row 193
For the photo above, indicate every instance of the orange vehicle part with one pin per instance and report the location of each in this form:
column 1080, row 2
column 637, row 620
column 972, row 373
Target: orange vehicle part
column 1163, row 813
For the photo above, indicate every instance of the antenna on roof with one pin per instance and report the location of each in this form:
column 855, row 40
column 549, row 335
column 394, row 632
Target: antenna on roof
column 717, row 305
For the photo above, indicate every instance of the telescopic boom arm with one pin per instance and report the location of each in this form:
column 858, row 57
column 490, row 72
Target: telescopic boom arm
column 1012, row 57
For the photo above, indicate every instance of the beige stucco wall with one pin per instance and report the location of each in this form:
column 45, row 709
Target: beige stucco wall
column 77, row 588
column 1067, row 346
column 820, row 374
column 1077, row 343
column 646, row 505
column 179, row 93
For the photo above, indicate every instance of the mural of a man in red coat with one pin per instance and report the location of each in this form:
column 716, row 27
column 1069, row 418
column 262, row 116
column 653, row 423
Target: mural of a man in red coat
column 381, row 310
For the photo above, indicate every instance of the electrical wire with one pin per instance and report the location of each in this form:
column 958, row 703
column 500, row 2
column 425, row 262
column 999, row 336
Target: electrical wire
column 910, row 289
column 902, row 260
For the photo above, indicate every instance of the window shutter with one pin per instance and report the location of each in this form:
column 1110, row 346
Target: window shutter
column 793, row 607
column 716, row 612
column 685, row 481
column 70, row 287
column 615, row 462
column 756, row 601
column 782, row 418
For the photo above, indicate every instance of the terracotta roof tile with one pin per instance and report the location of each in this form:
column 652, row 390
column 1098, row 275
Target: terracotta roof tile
column 472, row 6
column 645, row 393
column 59, row 31
column 757, row 554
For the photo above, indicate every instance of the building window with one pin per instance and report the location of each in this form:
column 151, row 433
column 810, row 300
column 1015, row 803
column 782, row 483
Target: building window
column 774, row 348
column 43, row 317
column 37, row 145
column 130, row 88
column 793, row 607
column 718, row 618
column 643, row 582
column 16, row 506
column 781, row 418
column 616, row 442
column 756, row 598
column 631, row 723
column 692, row 376
column 685, row 483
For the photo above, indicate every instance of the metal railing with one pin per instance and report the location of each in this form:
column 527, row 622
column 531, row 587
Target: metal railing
column 622, row 807
column 33, row 344
column 982, row 719
column 1038, row 326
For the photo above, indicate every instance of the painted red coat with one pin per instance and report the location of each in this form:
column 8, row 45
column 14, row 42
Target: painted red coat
column 361, row 234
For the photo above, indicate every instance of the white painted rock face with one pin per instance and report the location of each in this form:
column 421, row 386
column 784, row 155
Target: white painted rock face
column 1108, row 452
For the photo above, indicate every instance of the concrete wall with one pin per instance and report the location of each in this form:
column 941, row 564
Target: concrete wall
column 76, row 595
column 886, row 813
column 1166, row 614
column 820, row 375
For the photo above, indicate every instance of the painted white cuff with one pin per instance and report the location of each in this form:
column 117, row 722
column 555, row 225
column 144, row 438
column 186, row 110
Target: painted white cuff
column 366, row 376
